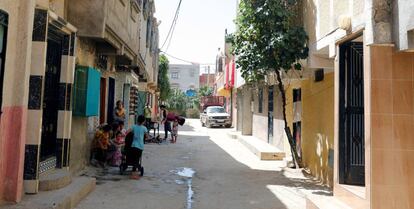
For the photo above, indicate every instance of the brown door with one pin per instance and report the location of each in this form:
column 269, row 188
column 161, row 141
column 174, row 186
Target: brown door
column 103, row 101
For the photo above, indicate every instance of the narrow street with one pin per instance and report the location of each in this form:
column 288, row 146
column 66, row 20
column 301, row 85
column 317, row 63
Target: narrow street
column 227, row 175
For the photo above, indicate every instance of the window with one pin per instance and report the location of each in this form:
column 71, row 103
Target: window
column 192, row 73
column 175, row 75
column 3, row 43
column 175, row 86
column 260, row 100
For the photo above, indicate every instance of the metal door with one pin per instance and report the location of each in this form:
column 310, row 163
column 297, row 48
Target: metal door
column 51, row 94
column 352, row 149
column 270, row 116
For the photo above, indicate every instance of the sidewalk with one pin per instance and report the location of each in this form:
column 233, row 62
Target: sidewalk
column 310, row 193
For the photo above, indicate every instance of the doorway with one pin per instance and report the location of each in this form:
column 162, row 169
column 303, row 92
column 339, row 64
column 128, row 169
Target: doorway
column 102, row 105
column 111, row 100
column 51, row 94
column 270, row 116
column 351, row 113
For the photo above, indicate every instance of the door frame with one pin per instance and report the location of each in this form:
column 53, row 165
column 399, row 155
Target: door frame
column 348, row 175
column 53, row 35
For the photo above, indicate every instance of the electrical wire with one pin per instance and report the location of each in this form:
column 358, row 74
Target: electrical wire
column 173, row 24
column 183, row 60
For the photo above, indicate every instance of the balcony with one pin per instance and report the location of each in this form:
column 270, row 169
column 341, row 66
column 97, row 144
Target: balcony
column 113, row 24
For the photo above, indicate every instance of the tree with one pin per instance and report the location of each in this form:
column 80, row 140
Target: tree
column 205, row 91
column 163, row 81
column 268, row 40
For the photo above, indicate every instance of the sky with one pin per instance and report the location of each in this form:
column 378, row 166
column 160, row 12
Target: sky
column 200, row 28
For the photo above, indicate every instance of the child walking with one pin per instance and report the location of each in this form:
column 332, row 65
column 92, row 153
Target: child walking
column 140, row 133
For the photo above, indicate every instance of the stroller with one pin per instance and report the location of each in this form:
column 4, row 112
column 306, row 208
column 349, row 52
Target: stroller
column 127, row 158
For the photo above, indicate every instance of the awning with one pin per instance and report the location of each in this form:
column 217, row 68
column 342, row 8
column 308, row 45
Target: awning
column 223, row 92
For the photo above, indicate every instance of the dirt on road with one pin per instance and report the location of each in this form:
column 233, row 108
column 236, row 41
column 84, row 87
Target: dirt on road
column 205, row 169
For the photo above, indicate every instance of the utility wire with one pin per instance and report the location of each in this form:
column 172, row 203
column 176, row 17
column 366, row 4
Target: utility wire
column 177, row 58
column 174, row 22
column 184, row 60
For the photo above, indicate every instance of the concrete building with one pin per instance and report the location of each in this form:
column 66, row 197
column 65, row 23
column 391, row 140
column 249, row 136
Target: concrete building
column 225, row 78
column 61, row 71
column 373, row 125
column 184, row 77
column 351, row 108
column 358, row 143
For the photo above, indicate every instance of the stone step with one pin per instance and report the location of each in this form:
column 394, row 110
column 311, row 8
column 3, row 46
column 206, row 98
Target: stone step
column 260, row 148
column 64, row 198
column 324, row 202
column 53, row 180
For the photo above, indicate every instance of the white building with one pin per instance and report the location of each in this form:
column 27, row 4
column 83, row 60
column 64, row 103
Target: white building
column 184, row 77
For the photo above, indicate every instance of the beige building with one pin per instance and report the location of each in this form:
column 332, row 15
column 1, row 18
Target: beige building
column 368, row 46
column 61, row 72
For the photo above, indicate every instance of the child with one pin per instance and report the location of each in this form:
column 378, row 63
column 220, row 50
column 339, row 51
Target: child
column 137, row 146
column 174, row 132
column 117, row 155
column 101, row 144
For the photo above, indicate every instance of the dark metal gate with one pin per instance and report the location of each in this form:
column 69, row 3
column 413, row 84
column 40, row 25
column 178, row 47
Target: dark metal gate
column 351, row 127
column 270, row 116
column 51, row 94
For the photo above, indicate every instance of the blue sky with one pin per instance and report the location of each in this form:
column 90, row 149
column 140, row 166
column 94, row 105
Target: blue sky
column 200, row 27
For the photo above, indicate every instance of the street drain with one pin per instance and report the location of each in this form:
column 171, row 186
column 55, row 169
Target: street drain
column 187, row 173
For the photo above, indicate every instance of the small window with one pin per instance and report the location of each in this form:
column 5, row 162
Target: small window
column 4, row 20
column 297, row 95
column 175, row 75
column 260, row 100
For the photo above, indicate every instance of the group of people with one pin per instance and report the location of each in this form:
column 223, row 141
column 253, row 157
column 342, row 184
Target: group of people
column 110, row 144
column 111, row 147
column 167, row 119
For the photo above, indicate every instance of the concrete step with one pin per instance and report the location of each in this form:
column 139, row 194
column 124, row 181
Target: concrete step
column 324, row 202
column 54, row 180
column 260, row 148
column 64, row 198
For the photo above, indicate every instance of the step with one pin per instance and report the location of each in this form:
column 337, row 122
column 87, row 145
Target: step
column 64, row 198
column 260, row 148
column 53, row 180
column 324, row 202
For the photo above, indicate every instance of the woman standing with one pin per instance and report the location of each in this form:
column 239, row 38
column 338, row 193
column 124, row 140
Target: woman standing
column 119, row 112
column 167, row 124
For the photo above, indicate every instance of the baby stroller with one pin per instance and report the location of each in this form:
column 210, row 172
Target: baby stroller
column 127, row 158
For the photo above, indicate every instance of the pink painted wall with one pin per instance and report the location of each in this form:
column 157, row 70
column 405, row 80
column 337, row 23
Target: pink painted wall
column 12, row 149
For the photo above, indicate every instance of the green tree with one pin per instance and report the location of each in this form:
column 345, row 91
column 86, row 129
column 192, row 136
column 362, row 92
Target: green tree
column 205, row 91
column 269, row 40
column 163, row 81
column 177, row 101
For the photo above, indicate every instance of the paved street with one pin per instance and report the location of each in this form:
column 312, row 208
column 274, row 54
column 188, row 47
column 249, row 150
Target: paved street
column 227, row 176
